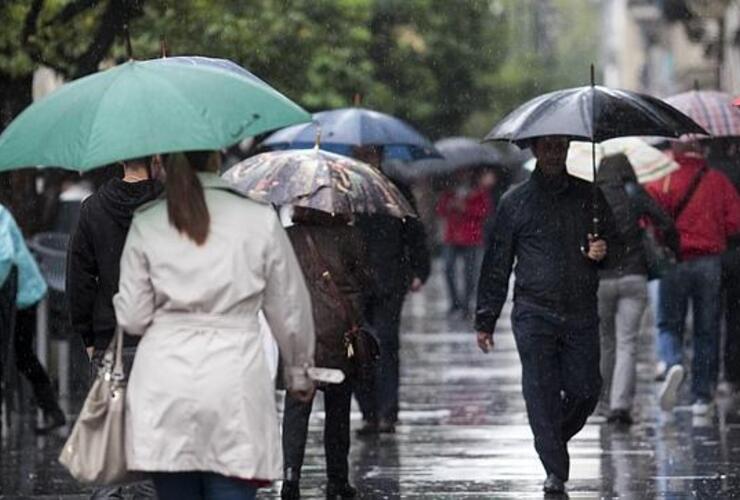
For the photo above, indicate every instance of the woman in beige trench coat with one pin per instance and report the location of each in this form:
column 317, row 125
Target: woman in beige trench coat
column 196, row 270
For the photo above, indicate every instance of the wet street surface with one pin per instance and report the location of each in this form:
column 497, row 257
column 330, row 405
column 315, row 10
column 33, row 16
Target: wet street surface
column 464, row 434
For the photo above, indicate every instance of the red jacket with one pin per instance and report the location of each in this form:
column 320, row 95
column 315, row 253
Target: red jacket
column 711, row 216
column 464, row 224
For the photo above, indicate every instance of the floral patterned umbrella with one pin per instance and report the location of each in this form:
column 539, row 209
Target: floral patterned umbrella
column 320, row 180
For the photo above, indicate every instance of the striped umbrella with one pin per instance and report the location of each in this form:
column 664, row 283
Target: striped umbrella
column 711, row 109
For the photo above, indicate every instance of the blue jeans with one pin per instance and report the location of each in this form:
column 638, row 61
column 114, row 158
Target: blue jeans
column 699, row 280
column 469, row 255
column 560, row 377
column 201, row 486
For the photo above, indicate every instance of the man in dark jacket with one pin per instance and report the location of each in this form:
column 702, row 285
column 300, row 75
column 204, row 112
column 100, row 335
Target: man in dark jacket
column 93, row 269
column 546, row 224
column 399, row 259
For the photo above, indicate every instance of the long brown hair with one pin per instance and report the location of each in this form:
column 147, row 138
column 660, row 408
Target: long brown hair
column 186, row 201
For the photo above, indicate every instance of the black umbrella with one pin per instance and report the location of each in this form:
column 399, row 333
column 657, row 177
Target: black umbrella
column 592, row 113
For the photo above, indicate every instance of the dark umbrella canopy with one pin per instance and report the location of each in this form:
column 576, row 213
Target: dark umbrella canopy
column 343, row 129
column 593, row 113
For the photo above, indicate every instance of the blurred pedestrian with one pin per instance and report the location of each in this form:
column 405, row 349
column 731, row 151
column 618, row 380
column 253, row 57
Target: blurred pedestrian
column 546, row 225
column 195, row 272
column 623, row 283
column 706, row 208
column 463, row 209
column 17, row 264
column 93, row 269
column 328, row 248
column 399, row 260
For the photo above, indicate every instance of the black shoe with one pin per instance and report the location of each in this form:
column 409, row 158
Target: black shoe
column 340, row 490
column 53, row 420
column 553, row 485
column 369, row 428
column 620, row 417
column 386, row 427
column 290, row 491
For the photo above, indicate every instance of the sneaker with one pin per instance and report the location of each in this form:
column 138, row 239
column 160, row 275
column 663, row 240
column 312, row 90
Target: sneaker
column 669, row 390
column 620, row 417
column 701, row 408
column 340, row 490
column 553, row 485
column 660, row 371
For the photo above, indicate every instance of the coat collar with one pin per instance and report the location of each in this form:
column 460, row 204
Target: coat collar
column 552, row 184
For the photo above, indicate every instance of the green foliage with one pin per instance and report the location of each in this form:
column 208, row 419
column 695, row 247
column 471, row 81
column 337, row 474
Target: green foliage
column 446, row 66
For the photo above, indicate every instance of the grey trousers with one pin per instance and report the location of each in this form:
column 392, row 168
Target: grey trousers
column 622, row 302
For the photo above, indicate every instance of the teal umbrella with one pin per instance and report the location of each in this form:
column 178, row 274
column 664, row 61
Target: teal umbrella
column 141, row 108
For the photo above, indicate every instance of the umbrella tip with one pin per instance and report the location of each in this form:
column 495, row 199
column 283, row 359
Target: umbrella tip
column 593, row 75
column 696, row 85
column 127, row 40
column 162, row 46
column 317, row 145
column 357, row 99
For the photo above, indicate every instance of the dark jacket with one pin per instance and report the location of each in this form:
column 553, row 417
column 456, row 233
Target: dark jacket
column 544, row 223
column 397, row 250
column 342, row 251
column 629, row 203
column 95, row 253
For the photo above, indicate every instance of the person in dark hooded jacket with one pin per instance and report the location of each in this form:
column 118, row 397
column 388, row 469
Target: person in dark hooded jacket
column 93, row 269
column 95, row 251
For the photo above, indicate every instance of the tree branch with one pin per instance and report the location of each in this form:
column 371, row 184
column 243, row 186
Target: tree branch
column 71, row 10
column 31, row 22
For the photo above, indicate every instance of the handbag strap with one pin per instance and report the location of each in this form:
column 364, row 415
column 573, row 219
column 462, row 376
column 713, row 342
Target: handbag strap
column 113, row 358
column 337, row 294
column 684, row 201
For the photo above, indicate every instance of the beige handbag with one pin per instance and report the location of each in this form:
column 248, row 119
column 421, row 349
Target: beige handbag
column 95, row 451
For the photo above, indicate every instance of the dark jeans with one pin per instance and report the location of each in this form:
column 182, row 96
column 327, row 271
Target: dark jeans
column 7, row 325
column 27, row 362
column 700, row 281
column 143, row 490
column 731, row 284
column 201, row 486
column 379, row 399
column 337, row 400
column 469, row 256
column 560, row 378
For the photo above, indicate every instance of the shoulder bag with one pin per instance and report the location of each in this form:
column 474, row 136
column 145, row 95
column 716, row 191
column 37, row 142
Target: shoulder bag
column 361, row 346
column 95, row 451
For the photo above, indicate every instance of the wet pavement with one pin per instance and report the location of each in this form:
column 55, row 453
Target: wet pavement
column 464, row 434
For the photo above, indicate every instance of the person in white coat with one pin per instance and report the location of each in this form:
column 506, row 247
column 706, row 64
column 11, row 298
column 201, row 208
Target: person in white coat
column 196, row 270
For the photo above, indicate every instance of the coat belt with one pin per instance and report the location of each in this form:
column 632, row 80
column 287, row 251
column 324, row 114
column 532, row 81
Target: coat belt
column 208, row 321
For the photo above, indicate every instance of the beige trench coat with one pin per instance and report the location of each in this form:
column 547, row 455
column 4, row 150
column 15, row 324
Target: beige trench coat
column 200, row 396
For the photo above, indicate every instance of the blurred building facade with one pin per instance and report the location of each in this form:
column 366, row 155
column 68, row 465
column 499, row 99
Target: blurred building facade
column 668, row 46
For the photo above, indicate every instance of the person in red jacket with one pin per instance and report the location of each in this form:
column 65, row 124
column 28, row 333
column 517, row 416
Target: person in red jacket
column 706, row 209
column 464, row 210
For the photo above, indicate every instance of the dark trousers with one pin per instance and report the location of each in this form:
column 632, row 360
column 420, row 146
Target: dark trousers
column 337, row 400
column 560, row 378
column 698, row 280
column 27, row 362
column 378, row 399
column 731, row 283
column 201, row 486
column 7, row 326
column 469, row 256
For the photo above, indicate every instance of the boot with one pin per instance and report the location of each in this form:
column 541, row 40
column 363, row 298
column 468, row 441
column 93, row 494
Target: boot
column 340, row 490
column 291, row 490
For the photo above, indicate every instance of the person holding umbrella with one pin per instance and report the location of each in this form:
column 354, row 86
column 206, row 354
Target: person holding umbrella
column 545, row 224
column 557, row 227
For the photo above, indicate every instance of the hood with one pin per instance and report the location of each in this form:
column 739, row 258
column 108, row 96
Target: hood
column 120, row 199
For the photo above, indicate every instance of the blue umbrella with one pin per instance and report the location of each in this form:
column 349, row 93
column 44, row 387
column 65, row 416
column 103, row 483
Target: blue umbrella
column 346, row 128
